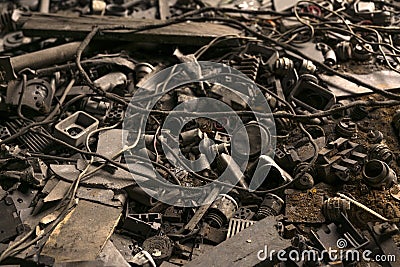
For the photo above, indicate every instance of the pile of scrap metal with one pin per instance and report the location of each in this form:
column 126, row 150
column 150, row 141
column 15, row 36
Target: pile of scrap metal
column 69, row 72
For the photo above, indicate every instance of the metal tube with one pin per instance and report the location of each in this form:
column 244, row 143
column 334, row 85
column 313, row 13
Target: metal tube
column 45, row 57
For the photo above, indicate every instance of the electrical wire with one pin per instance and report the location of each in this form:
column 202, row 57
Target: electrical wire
column 312, row 22
column 290, row 48
column 21, row 97
column 186, row 17
column 75, row 184
column 217, row 40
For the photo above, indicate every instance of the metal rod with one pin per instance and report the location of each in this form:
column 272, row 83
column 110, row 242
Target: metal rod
column 362, row 206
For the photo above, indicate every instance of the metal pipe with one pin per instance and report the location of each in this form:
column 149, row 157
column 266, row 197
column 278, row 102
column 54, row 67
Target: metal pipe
column 45, row 57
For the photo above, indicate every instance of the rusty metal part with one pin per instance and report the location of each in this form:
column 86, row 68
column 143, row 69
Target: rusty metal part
column 381, row 152
column 378, row 174
column 334, row 207
column 339, row 159
column 159, row 247
column 221, row 210
column 271, row 206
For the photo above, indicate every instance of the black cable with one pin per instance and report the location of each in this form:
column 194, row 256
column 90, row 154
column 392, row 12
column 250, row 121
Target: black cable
column 233, row 10
column 79, row 52
column 108, row 160
column 173, row 176
column 21, row 97
column 93, row 154
column 50, row 157
column 73, row 101
column 322, row 66
column 320, row 114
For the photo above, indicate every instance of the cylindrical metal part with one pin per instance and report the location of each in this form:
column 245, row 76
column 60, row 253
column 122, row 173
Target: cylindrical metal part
column 375, row 136
column 358, row 113
column 362, row 52
column 13, row 40
column 333, row 207
column 384, row 18
column 381, row 152
column 191, row 136
column 45, row 57
column 258, row 138
column 262, row 176
column 283, row 66
column 142, row 69
column 377, row 173
column 221, row 210
column 346, row 128
column 271, row 206
column 337, row 114
column 307, row 66
column 306, row 181
column 96, row 106
column 344, row 51
column 330, row 58
column 97, row 7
